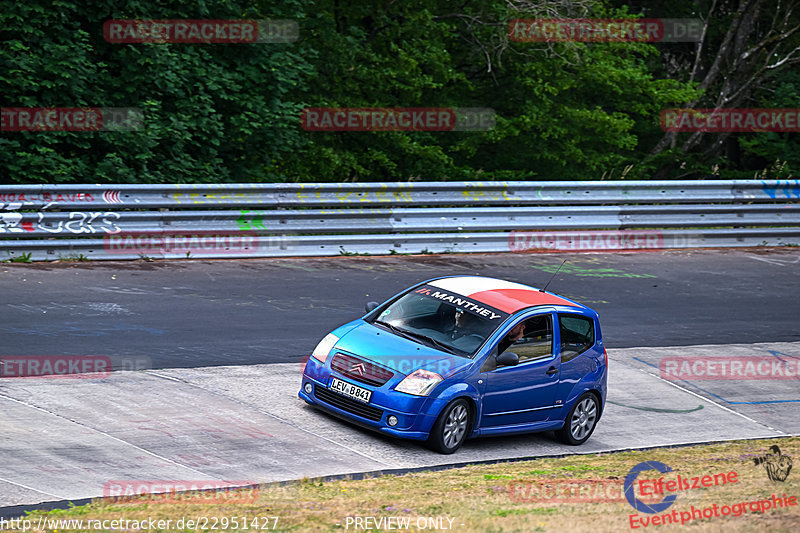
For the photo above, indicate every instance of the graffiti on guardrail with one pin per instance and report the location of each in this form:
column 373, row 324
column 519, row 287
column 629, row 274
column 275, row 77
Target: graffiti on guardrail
column 112, row 197
column 213, row 198
column 12, row 223
column 401, row 195
column 77, row 222
column 91, row 222
column 477, row 195
column 37, row 222
column 789, row 189
column 20, row 199
column 249, row 220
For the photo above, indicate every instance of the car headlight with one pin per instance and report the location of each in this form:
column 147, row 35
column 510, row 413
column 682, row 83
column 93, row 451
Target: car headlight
column 324, row 347
column 419, row 383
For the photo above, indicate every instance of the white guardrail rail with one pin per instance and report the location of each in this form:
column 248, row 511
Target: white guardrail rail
column 75, row 222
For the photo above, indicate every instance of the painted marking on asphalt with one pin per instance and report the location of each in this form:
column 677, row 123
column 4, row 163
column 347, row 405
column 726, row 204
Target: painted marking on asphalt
column 775, row 261
column 684, row 389
column 112, row 437
column 658, row 410
column 591, row 272
column 294, row 266
column 31, row 488
column 326, row 439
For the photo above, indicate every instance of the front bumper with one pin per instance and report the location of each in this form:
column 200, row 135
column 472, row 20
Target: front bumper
column 413, row 422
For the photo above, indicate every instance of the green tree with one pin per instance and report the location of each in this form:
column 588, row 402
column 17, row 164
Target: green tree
column 564, row 111
column 212, row 112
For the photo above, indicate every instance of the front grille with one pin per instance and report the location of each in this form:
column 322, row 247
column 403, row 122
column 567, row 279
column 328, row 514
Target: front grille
column 347, row 404
column 360, row 370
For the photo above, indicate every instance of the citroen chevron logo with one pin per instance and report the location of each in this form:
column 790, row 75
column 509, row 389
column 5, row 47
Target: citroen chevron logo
column 358, row 367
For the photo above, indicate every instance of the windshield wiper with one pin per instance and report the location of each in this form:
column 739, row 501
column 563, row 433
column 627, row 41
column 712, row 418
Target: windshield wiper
column 436, row 343
column 392, row 327
column 405, row 333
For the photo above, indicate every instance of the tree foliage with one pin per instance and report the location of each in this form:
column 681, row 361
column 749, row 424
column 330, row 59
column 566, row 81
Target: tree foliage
column 231, row 112
column 212, row 112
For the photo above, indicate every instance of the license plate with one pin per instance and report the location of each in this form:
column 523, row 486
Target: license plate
column 348, row 389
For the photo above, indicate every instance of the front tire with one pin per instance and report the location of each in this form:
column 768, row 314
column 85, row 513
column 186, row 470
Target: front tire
column 581, row 421
column 450, row 430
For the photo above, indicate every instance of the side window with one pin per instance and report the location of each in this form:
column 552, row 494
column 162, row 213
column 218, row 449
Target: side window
column 577, row 335
column 530, row 339
column 534, row 340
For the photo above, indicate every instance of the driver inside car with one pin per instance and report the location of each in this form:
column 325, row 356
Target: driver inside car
column 513, row 336
column 467, row 330
column 462, row 324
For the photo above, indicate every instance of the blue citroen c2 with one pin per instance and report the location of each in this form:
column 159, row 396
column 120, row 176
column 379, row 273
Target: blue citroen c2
column 463, row 356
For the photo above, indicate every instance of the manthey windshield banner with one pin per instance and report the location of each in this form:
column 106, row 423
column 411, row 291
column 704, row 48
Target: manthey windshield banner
column 462, row 302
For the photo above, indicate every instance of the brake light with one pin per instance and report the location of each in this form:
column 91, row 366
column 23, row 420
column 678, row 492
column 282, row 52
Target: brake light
column 605, row 355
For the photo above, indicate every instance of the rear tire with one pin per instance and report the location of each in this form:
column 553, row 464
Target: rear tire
column 581, row 420
column 450, row 430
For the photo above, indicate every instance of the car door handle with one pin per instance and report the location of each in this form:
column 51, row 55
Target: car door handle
column 552, row 370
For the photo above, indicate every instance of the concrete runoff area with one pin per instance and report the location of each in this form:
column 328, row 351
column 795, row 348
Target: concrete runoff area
column 65, row 439
column 759, row 381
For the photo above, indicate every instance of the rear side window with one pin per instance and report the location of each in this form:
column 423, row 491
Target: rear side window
column 577, row 335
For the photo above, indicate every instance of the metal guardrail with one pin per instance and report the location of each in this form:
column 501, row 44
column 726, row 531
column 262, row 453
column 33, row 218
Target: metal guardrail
column 351, row 195
column 46, row 222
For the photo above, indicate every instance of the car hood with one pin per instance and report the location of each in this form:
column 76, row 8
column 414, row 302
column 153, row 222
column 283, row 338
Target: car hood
column 398, row 353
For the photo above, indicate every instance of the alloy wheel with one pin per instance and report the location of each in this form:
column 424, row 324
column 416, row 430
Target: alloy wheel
column 583, row 418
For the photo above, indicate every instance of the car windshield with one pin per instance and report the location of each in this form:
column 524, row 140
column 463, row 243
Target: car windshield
column 444, row 320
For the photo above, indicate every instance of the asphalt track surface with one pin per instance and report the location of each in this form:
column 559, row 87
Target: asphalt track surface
column 204, row 313
column 212, row 404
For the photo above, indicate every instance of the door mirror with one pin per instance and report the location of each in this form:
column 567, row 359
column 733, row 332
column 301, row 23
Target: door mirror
column 370, row 306
column 507, row 359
